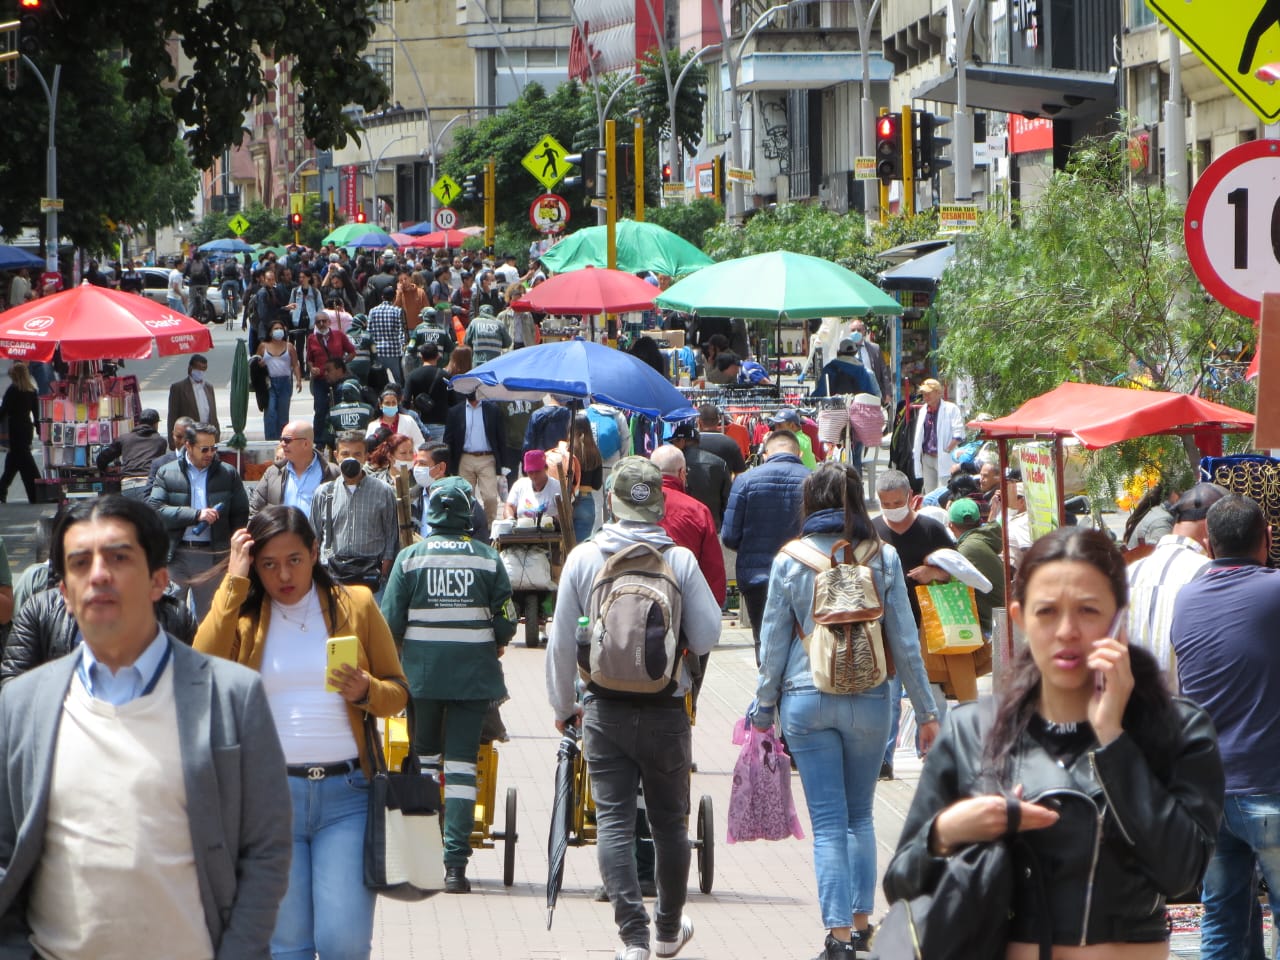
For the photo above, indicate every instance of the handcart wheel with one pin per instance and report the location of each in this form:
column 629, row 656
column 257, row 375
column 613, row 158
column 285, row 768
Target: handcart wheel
column 706, row 845
column 531, row 620
column 509, row 841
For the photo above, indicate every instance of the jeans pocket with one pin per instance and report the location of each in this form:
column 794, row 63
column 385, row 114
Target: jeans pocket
column 356, row 781
column 801, row 712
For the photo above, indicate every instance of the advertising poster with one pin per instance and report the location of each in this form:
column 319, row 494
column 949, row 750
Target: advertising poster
column 1040, row 485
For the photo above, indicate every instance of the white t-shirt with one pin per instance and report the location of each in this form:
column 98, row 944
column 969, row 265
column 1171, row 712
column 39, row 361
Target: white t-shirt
column 175, row 283
column 532, row 503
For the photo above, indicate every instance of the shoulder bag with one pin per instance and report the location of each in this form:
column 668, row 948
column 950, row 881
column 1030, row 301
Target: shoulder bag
column 403, row 843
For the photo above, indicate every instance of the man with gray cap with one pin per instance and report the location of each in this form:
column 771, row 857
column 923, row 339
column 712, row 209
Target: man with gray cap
column 845, row 374
column 631, row 740
column 1156, row 579
column 135, row 450
column 448, row 602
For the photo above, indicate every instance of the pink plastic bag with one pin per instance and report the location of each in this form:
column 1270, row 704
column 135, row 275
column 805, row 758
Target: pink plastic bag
column 760, row 803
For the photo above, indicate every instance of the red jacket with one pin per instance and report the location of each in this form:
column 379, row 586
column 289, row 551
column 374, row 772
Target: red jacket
column 337, row 346
column 689, row 523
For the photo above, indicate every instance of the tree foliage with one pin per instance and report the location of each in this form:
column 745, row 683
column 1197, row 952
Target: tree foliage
column 225, row 42
column 691, row 98
column 104, row 175
column 799, row 228
column 266, row 226
column 688, row 220
column 1093, row 286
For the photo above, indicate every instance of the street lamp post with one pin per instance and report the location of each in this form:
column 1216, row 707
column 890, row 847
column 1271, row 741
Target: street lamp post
column 375, row 164
column 672, row 95
column 296, row 170
column 867, row 116
column 434, row 157
column 964, row 129
column 50, row 163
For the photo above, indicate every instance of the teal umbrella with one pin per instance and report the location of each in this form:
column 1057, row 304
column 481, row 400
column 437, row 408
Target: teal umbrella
column 239, row 395
column 366, row 234
column 640, row 246
column 778, row 286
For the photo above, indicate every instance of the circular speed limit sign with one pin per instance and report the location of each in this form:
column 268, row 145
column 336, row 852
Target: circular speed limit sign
column 1233, row 226
column 446, row 218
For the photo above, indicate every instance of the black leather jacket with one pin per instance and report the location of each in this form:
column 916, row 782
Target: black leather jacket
column 45, row 630
column 1126, row 838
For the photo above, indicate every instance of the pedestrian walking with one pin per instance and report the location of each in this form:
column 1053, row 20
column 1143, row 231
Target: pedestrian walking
column 448, row 601
column 355, row 519
column 191, row 397
column 294, row 480
column 1116, row 788
column 473, row 434
column 837, row 740
column 274, row 612
column 632, row 739
column 387, row 327
column 939, row 430
column 20, row 409
column 145, row 781
column 284, row 374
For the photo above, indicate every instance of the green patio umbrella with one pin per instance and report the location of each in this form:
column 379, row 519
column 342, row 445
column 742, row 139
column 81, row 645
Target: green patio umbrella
column 778, row 286
column 641, row 246
column 348, row 233
column 239, row 395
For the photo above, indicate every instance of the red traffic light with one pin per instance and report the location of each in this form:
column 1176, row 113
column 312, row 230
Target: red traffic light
column 666, row 173
column 887, row 127
column 30, row 4
column 360, row 218
column 296, row 219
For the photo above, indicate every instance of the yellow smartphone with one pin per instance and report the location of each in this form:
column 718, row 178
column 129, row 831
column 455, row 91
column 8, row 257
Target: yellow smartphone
column 339, row 650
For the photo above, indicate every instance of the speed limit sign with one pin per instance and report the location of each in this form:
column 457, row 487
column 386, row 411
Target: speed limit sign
column 1233, row 226
column 446, row 218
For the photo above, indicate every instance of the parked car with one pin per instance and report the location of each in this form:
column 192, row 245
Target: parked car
column 155, row 286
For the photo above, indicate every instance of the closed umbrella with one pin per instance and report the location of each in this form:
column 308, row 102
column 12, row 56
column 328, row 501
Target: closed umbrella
column 563, row 804
column 581, row 369
column 90, row 323
column 239, row 396
column 640, row 246
column 589, row 291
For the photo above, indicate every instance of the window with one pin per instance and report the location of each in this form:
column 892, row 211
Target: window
column 384, row 12
column 383, row 60
column 1140, row 14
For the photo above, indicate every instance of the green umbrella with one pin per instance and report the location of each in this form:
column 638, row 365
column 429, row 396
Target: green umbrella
column 641, row 246
column 239, row 395
column 778, row 286
column 344, row 235
column 279, row 251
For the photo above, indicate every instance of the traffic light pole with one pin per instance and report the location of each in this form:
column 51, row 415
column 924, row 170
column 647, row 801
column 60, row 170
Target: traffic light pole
column 908, row 164
column 50, row 163
column 884, row 188
column 639, row 170
column 490, row 203
column 611, row 191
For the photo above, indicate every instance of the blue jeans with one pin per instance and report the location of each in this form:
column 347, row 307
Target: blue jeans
column 838, row 742
column 584, row 517
column 434, row 433
column 277, row 414
column 1249, row 834
column 321, row 401
column 896, row 693
column 327, row 908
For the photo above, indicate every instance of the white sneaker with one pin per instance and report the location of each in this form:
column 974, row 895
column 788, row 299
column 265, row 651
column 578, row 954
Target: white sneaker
column 669, row 948
column 632, row 953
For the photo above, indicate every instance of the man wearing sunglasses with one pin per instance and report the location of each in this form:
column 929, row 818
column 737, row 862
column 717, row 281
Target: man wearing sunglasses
column 293, row 480
column 201, row 500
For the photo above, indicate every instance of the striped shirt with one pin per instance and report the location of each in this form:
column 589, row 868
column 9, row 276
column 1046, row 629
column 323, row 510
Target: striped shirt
column 386, row 326
column 362, row 523
column 1154, row 582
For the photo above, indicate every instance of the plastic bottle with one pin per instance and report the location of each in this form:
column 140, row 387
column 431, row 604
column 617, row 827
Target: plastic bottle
column 201, row 527
column 583, row 632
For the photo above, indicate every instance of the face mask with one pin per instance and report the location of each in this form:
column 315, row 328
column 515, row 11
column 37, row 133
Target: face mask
column 277, row 334
column 350, row 468
column 856, row 337
column 422, row 476
column 896, row 515
column 197, row 376
column 390, row 411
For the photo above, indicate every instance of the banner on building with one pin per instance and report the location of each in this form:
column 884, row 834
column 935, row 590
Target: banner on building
column 350, row 190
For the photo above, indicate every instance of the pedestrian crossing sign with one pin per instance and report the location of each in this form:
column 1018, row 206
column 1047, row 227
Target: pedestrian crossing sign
column 447, row 190
column 238, row 224
column 546, row 162
column 1236, row 39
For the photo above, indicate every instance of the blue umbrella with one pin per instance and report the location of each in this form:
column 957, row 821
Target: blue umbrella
column 375, row 238
column 581, row 369
column 11, row 258
column 420, row 229
column 226, row 245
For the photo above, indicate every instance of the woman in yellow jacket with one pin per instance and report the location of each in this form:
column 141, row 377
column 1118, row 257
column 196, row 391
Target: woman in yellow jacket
column 274, row 613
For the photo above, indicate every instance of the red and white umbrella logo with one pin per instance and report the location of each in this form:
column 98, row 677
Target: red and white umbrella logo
column 36, row 324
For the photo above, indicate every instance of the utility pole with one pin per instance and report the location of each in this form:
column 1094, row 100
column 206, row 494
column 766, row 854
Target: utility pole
column 490, row 203
column 50, row 163
column 964, row 125
column 1175, row 126
column 867, row 117
column 908, row 165
column 639, row 167
column 611, row 191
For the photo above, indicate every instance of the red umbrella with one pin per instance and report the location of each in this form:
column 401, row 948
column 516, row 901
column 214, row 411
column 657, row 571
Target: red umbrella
column 590, row 290
column 446, row 238
column 407, row 241
column 95, row 323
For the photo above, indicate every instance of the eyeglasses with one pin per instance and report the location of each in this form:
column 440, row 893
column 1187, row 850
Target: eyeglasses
column 288, row 440
column 211, row 449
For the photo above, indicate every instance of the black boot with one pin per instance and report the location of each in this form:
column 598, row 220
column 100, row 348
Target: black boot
column 455, row 880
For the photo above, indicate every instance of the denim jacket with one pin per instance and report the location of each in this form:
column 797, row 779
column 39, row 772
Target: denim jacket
column 784, row 665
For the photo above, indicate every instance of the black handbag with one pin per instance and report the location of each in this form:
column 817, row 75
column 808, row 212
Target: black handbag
column 403, row 843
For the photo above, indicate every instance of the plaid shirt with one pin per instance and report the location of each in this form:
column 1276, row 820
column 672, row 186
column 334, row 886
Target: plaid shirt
column 360, row 524
column 386, row 326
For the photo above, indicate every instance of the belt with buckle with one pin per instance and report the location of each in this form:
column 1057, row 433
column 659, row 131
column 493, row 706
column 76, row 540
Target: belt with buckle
column 130, row 483
column 320, row 771
column 197, row 544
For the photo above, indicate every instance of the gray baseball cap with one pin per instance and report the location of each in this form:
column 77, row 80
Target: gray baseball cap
column 637, row 491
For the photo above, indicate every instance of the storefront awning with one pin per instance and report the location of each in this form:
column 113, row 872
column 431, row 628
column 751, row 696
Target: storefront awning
column 803, row 70
column 1029, row 91
column 922, row 273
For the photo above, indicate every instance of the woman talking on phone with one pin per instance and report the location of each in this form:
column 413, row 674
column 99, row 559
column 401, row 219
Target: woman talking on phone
column 274, row 612
column 1119, row 786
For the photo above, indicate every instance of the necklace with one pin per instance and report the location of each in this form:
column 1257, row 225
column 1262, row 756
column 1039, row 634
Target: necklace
column 283, row 611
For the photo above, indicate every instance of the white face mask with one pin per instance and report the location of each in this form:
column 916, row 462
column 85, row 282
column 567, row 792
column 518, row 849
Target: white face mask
column 197, row 376
column 422, row 476
column 896, row 515
column 277, row 334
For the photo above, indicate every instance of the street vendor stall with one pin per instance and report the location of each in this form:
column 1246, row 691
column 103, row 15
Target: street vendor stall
column 1096, row 416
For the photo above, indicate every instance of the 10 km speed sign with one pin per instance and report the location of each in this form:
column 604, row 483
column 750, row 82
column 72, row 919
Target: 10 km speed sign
column 1233, row 226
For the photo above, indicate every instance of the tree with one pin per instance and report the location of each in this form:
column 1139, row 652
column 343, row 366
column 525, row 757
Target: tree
column 799, row 228
column 690, row 99
column 689, row 220
column 224, row 41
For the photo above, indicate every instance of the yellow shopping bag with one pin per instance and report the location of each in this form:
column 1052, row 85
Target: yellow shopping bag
column 949, row 618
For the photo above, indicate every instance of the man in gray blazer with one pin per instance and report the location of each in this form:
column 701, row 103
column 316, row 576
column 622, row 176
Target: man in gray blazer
column 154, row 821
column 192, row 396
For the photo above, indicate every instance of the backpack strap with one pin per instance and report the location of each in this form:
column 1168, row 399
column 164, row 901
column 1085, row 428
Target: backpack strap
column 809, row 555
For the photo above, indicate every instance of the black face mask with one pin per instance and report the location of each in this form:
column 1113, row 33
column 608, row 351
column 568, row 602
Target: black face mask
column 350, row 468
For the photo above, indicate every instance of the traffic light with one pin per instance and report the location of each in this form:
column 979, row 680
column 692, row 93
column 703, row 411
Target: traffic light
column 591, row 165
column 889, row 148
column 360, row 217
column 295, row 221
column 929, row 146
column 31, row 28
column 473, row 186
column 666, row 173
column 717, row 177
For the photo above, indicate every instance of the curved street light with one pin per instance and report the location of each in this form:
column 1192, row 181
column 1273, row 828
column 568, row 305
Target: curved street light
column 433, row 157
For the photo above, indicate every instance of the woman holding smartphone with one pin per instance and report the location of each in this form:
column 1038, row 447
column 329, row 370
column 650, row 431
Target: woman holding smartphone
column 275, row 612
column 1119, row 787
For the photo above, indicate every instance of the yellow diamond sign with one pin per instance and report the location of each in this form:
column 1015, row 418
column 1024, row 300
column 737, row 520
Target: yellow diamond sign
column 546, row 162
column 446, row 190
column 1235, row 38
column 238, row 224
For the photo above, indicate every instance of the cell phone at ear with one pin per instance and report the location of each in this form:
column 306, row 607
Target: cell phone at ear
column 1115, row 632
column 339, row 650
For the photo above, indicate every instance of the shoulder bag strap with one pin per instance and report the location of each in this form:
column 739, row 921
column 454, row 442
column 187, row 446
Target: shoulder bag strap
column 809, row 555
